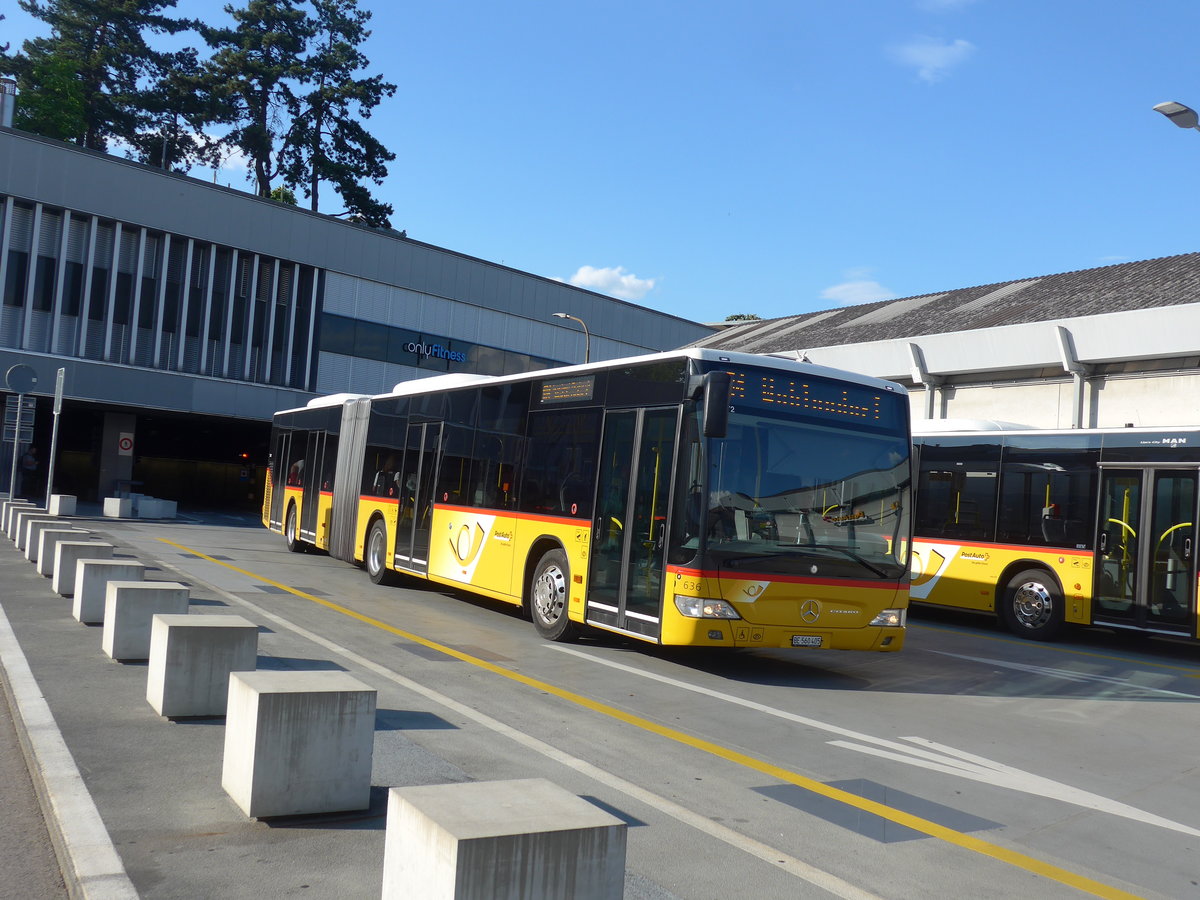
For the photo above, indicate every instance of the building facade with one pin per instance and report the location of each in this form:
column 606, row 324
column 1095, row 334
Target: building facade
column 183, row 314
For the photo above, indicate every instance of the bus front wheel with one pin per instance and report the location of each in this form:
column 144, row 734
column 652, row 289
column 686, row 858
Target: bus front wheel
column 290, row 532
column 1033, row 606
column 376, row 553
column 549, row 597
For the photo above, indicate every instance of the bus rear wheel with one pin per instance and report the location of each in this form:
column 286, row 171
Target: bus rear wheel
column 376, row 553
column 549, row 597
column 290, row 532
column 1033, row 606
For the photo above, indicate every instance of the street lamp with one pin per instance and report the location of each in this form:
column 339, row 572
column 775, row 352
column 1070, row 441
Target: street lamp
column 587, row 338
column 1183, row 116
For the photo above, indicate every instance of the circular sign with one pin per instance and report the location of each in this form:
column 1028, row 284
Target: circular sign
column 21, row 379
column 125, row 444
column 574, row 508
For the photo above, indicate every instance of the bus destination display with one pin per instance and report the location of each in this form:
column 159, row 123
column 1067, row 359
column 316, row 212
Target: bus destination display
column 813, row 397
column 568, row 390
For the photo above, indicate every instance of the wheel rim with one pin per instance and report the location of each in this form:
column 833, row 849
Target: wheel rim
column 375, row 552
column 550, row 594
column 291, row 527
column 1033, row 605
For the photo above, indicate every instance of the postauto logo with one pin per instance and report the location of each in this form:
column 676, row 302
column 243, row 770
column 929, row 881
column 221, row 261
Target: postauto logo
column 435, row 351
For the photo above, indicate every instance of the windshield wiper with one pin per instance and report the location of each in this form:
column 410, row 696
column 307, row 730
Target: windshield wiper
column 858, row 559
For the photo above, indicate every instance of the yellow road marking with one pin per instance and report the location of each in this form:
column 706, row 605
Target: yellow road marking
column 916, row 823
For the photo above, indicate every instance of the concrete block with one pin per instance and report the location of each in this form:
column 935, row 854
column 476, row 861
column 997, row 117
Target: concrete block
column 63, row 504
column 8, row 508
column 129, row 610
column 19, row 514
column 167, row 509
column 91, row 585
column 33, row 527
column 67, row 555
column 298, row 742
column 501, row 840
column 47, row 543
column 190, row 661
column 149, row 508
column 118, row 508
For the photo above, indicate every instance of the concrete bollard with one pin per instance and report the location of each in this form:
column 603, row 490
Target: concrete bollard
column 9, row 508
column 31, row 528
column 118, row 507
column 190, row 661
column 321, row 723
column 67, row 555
column 20, row 514
column 503, row 839
column 91, row 585
column 129, row 610
column 63, row 504
column 47, row 544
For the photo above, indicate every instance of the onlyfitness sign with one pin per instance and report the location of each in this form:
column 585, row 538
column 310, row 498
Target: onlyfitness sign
column 434, row 351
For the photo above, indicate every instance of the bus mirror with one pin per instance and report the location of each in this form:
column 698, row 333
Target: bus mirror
column 716, row 404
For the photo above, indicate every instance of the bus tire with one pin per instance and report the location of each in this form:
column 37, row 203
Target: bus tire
column 375, row 553
column 291, row 533
column 1033, row 606
column 550, row 596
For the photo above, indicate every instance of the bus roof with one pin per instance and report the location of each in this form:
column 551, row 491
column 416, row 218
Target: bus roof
column 445, row 382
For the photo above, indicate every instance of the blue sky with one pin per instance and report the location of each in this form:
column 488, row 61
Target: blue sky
column 778, row 157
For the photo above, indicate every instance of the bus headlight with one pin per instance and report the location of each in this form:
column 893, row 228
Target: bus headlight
column 704, row 608
column 891, row 618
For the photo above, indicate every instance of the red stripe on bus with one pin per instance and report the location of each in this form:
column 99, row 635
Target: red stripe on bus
column 782, row 579
column 513, row 514
column 1018, row 548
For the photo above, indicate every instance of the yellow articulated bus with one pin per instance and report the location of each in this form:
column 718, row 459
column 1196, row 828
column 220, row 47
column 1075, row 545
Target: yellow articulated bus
column 689, row 498
column 1047, row 528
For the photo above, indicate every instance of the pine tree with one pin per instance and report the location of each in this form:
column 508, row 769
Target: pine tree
column 251, row 76
column 103, row 42
column 327, row 142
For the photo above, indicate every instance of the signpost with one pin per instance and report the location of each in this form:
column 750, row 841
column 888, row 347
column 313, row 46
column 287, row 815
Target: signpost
column 58, row 394
column 20, row 380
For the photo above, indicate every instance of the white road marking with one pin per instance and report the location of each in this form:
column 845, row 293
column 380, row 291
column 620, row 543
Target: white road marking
column 98, row 871
column 1068, row 675
column 771, row 855
column 927, row 754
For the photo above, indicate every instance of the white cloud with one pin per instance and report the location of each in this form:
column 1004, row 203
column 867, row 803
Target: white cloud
column 856, row 291
column 614, row 281
column 932, row 57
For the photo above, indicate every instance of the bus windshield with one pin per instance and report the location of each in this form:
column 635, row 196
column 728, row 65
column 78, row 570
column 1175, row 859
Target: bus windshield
column 807, row 499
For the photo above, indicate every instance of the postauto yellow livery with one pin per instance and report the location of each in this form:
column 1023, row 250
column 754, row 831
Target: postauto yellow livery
column 1047, row 528
column 688, row 498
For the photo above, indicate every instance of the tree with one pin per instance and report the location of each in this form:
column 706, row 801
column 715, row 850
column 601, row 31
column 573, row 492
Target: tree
column 251, row 76
column 55, row 108
column 742, row 317
column 326, row 141
column 283, row 195
column 103, row 43
column 178, row 112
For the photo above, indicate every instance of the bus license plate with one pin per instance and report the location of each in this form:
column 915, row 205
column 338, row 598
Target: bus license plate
column 806, row 640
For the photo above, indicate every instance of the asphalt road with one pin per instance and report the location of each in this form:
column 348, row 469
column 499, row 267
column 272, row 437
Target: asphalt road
column 971, row 764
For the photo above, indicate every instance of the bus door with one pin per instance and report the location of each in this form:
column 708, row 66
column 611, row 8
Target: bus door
column 279, row 469
column 314, row 464
column 416, row 495
column 1145, row 569
column 637, row 462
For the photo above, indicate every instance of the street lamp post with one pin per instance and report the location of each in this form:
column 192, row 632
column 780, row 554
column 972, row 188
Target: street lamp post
column 1183, row 116
column 587, row 337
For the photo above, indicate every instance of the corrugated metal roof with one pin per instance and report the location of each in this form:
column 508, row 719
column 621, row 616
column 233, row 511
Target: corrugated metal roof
column 1149, row 284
